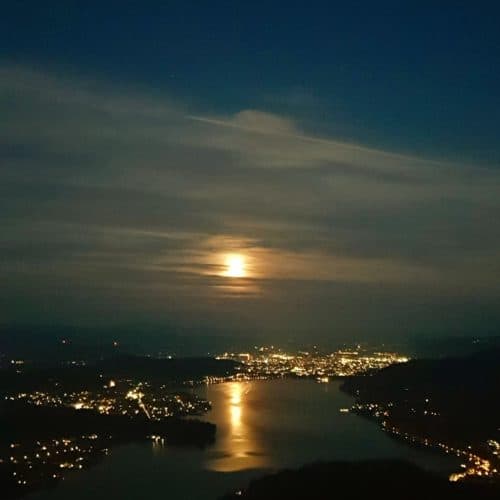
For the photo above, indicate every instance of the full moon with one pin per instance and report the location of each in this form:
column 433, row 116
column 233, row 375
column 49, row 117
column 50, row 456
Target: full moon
column 235, row 266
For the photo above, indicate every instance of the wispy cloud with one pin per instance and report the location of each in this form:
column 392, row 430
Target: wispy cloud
column 118, row 189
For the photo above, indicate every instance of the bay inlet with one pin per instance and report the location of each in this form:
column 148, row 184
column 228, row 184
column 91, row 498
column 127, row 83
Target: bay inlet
column 262, row 426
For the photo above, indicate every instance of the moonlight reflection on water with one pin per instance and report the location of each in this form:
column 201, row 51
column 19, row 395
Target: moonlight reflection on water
column 237, row 435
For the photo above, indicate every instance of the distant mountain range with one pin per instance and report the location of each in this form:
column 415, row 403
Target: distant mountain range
column 91, row 375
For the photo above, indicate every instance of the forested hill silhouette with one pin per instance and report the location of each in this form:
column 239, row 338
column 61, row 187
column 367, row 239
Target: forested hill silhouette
column 454, row 399
column 476, row 374
column 390, row 480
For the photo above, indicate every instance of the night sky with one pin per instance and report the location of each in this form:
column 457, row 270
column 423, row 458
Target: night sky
column 346, row 154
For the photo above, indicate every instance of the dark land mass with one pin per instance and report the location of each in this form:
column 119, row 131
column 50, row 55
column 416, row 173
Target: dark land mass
column 90, row 376
column 453, row 401
column 28, row 429
column 21, row 422
column 39, row 443
column 175, row 369
column 361, row 480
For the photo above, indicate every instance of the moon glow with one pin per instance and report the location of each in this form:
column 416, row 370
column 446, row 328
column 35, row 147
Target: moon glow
column 235, row 266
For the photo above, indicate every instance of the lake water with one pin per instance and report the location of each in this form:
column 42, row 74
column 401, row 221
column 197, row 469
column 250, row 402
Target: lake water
column 261, row 426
